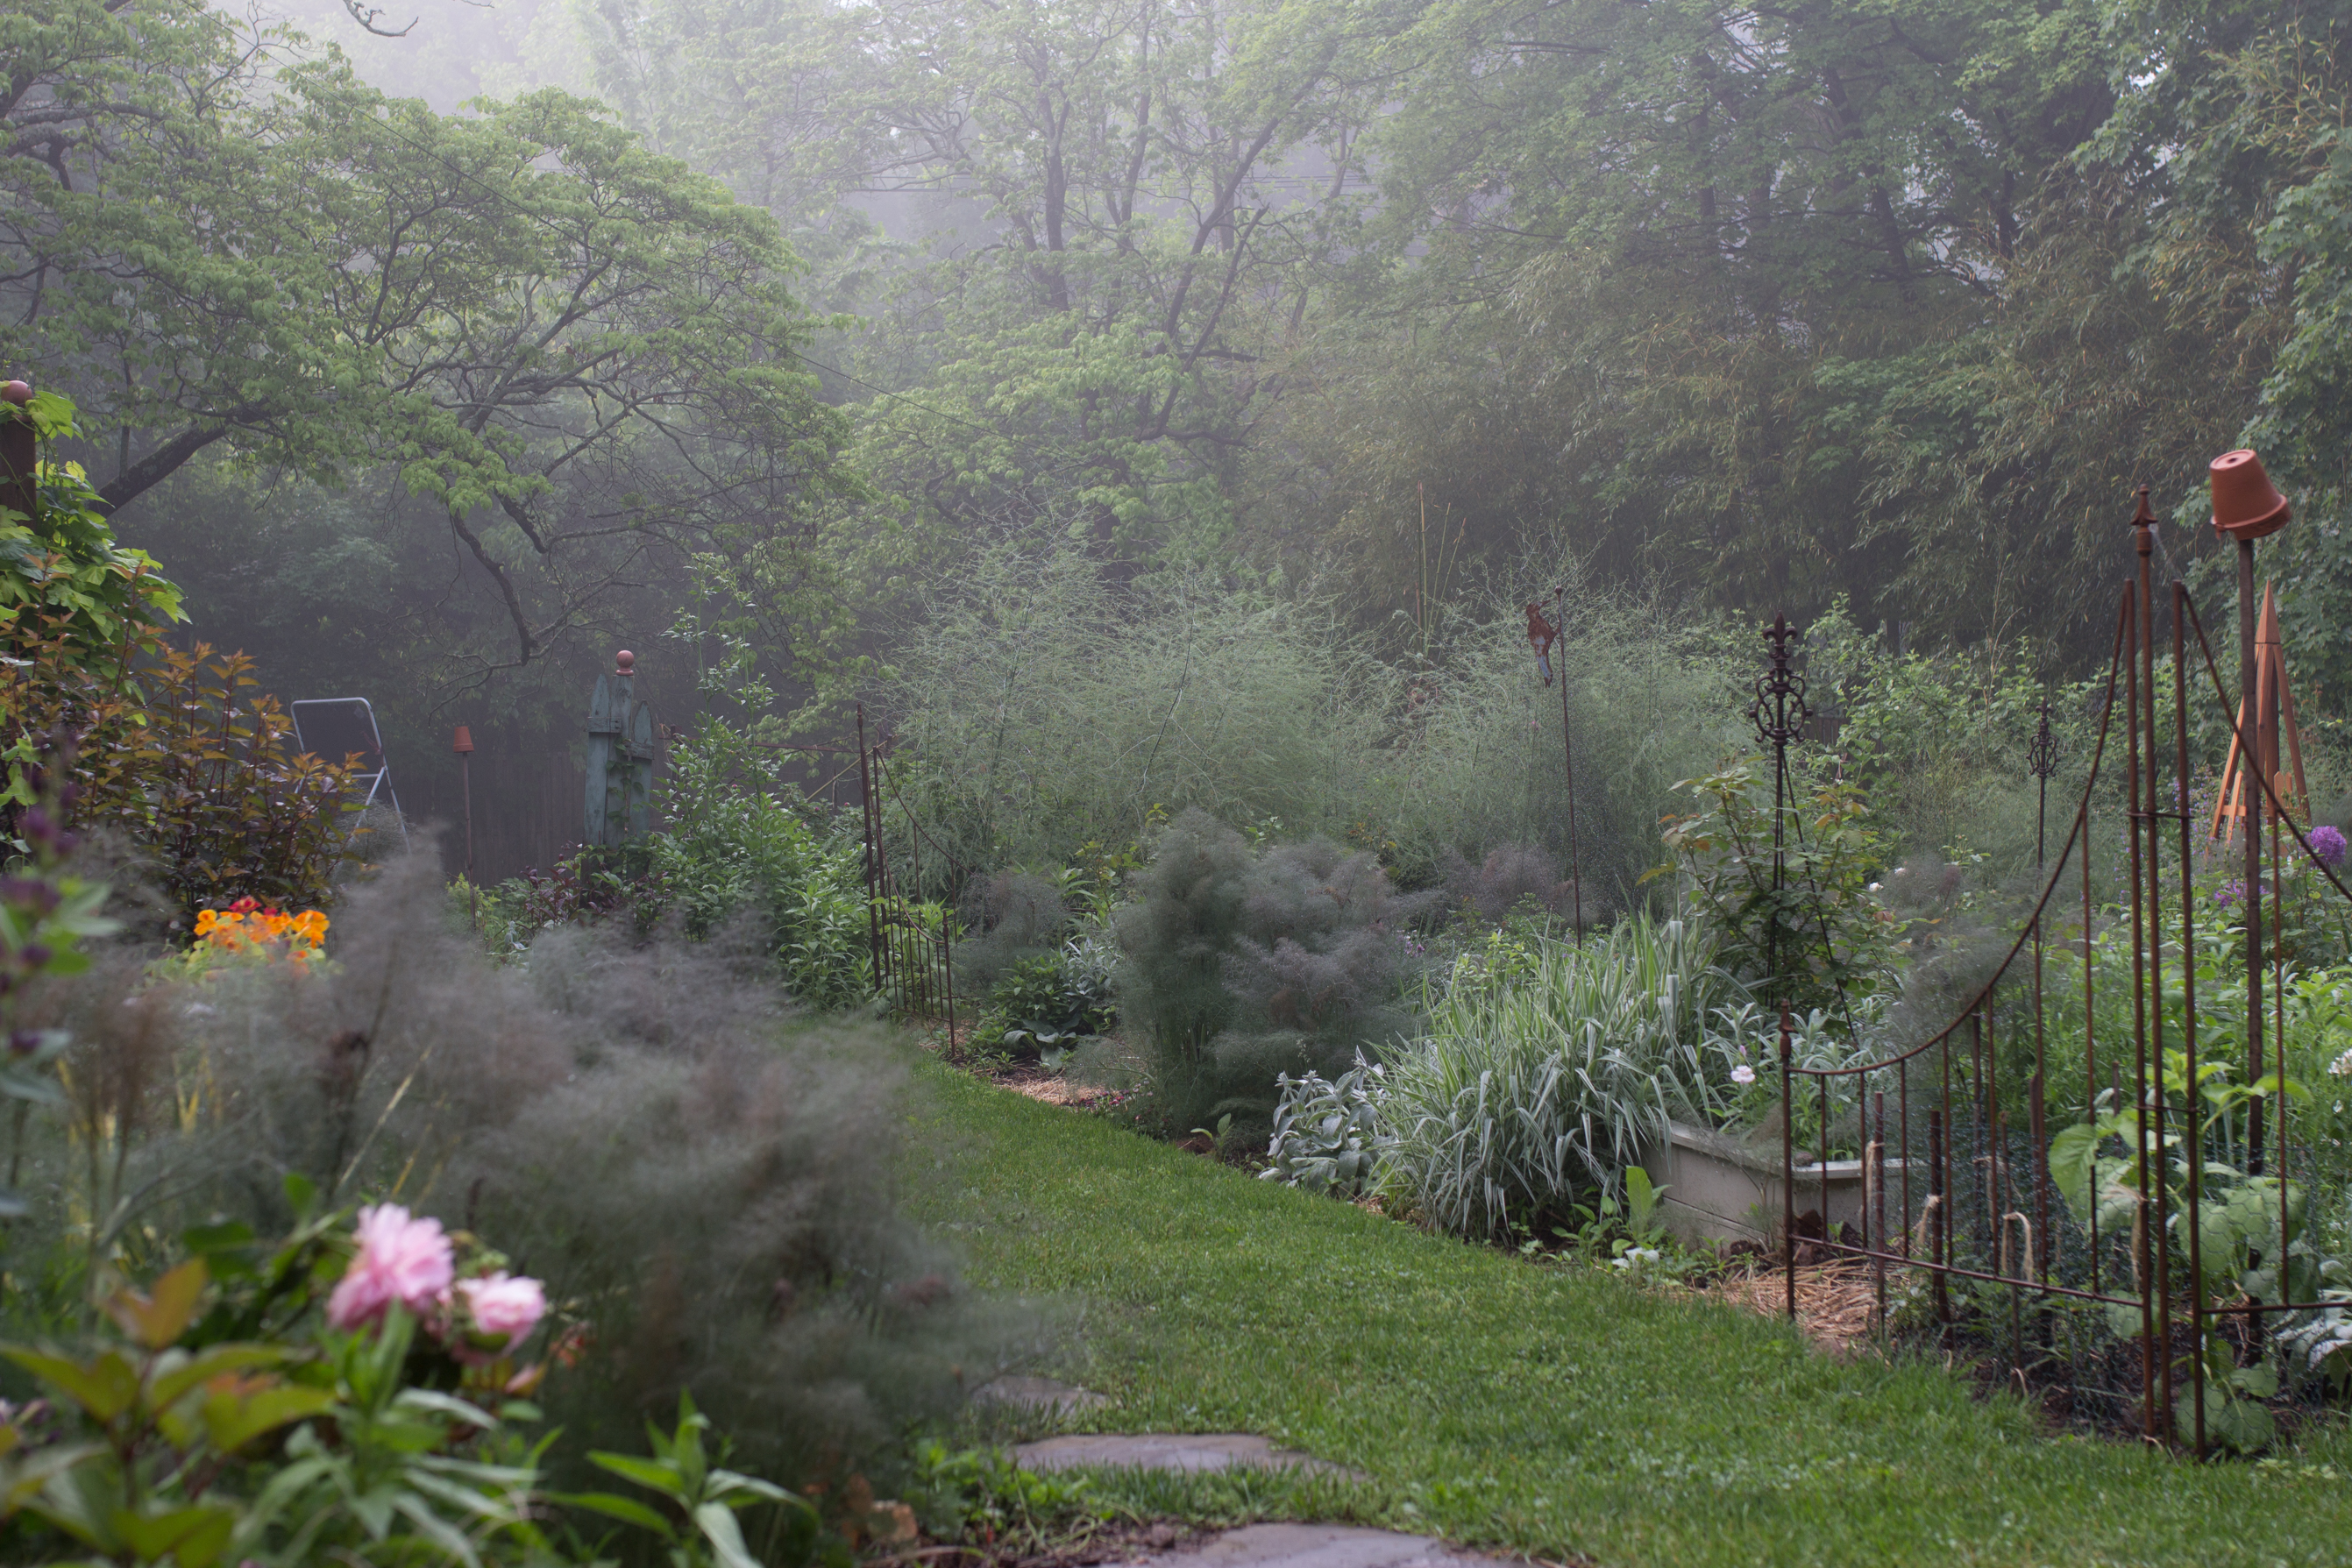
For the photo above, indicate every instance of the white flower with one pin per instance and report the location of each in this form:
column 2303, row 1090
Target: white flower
column 1743, row 1073
column 2342, row 1066
column 1635, row 1257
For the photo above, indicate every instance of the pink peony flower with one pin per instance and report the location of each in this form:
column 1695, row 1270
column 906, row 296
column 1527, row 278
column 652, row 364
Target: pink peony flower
column 400, row 1260
column 499, row 1304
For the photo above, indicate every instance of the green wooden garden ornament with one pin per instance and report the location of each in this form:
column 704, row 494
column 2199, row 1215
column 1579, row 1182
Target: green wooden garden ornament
column 620, row 757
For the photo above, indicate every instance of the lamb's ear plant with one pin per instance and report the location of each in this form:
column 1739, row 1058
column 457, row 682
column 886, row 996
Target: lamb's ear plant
column 1326, row 1131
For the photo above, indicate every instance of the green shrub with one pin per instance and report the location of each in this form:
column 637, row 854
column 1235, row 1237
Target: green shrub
column 1044, row 714
column 729, row 848
column 1818, row 940
column 201, row 776
column 1041, row 712
column 1013, row 916
column 1048, row 1003
column 1239, row 967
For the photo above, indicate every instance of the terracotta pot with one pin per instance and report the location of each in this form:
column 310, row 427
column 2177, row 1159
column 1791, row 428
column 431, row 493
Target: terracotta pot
column 2246, row 505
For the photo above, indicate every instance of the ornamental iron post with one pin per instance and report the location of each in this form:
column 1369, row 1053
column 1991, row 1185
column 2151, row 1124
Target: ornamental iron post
column 463, row 744
column 2041, row 763
column 1545, row 636
column 1780, row 714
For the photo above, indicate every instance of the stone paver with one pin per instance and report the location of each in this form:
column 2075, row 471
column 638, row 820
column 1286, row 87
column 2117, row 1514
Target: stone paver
column 1171, row 1451
column 1320, row 1546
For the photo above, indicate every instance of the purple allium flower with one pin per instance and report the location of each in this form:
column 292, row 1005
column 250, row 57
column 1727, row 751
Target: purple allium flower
column 2328, row 843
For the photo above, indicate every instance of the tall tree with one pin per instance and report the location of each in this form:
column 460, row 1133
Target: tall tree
column 582, row 351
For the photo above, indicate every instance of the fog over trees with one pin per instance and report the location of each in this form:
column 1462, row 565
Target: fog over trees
column 437, row 365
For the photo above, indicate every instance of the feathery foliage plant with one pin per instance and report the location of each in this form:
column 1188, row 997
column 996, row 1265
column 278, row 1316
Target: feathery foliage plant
column 710, row 1184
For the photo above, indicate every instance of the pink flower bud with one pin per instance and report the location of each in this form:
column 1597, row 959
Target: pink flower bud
column 499, row 1304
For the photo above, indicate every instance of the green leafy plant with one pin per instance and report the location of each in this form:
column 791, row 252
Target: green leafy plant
column 1048, row 1003
column 63, row 575
column 729, row 846
column 1815, row 941
column 2250, row 1232
column 702, row 1498
column 982, row 1494
column 156, row 1419
column 256, row 1428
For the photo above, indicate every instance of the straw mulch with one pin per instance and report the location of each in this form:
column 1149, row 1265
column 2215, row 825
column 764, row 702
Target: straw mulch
column 1052, row 1089
column 1836, row 1304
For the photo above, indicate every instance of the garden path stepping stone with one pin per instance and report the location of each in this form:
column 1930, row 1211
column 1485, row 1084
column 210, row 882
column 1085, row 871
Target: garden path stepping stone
column 1038, row 1393
column 1322, row 1546
column 1172, row 1451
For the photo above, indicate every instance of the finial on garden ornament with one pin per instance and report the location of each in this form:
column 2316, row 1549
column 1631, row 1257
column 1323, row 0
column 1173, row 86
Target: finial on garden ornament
column 2144, row 519
column 625, row 663
column 18, row 393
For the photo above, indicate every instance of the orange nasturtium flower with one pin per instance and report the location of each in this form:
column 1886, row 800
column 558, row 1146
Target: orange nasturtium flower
column 249, row 925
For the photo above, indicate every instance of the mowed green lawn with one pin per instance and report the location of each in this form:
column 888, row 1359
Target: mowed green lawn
column 1547, row 1412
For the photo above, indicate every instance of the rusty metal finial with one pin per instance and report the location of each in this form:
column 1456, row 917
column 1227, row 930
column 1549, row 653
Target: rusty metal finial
column 1779, row 711
column 2042, row 752
column 2145, row 519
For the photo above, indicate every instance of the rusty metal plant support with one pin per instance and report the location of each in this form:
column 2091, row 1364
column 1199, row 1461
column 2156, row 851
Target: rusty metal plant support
column 1965, row 1129
column 913, row 961
column 1546, row 637
column 1779, row 714
column 1568, row 765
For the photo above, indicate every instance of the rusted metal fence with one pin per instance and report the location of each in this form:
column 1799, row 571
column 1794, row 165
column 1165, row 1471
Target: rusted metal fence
column 1961, row 1191
column 913, row 944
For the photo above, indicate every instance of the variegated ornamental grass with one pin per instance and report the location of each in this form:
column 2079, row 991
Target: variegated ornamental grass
column 1527, row 1090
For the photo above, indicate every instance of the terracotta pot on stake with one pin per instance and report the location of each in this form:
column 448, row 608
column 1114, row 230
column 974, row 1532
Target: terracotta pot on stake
column 2247, row 506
